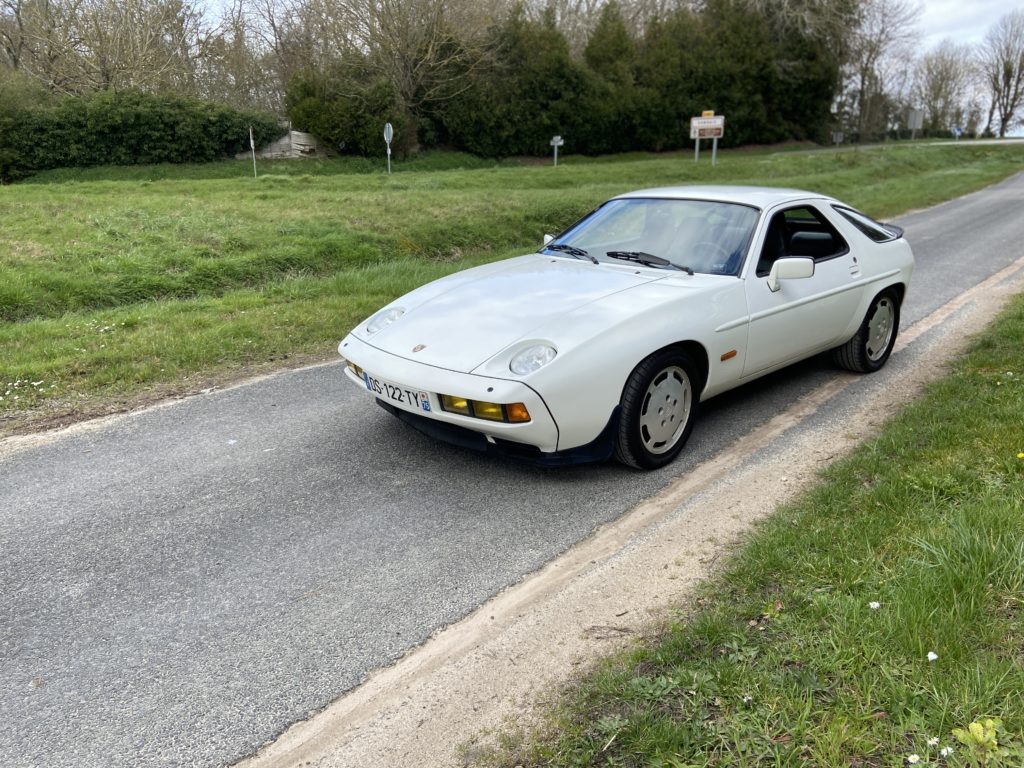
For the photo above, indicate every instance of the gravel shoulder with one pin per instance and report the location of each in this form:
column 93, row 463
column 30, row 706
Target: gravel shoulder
column 494, row 671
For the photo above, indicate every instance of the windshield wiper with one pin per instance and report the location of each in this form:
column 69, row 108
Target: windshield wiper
column 572, row 250
column 647, row 259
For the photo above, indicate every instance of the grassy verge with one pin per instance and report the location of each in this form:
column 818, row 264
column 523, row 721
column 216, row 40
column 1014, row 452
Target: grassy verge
column 122, row 282
column 859, row 626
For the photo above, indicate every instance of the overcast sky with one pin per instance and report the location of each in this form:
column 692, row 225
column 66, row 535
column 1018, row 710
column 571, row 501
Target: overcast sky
column 963, row 21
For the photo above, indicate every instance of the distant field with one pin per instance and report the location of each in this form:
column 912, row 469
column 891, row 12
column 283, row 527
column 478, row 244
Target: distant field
column 123, row 284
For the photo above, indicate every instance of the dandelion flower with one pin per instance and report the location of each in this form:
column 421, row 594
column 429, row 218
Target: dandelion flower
column 874, row 605
column 932, row 655
column 933, row 741
column 1020, row 455
column 913, row 759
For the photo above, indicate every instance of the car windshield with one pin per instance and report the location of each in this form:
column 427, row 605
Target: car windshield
column 698, row 235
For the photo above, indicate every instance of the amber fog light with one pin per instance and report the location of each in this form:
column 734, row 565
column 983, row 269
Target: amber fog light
column 489, row 411
column 456, row 405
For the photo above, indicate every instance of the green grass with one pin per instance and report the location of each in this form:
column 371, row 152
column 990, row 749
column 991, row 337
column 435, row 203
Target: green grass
column 787, row 662
column 125, row 283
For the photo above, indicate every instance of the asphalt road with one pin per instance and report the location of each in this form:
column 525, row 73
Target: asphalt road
column 183, row 583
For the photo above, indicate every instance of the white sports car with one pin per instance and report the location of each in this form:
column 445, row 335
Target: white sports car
column 605, row 340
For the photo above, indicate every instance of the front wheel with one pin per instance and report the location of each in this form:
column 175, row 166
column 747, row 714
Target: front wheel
column 659, row 405
column 871, row 346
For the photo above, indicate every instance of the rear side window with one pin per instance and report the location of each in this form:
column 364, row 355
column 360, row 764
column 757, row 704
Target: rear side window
column 801, row 231
column 866, row 224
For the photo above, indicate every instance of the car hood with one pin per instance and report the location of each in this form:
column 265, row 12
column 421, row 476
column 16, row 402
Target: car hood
column 461, row 321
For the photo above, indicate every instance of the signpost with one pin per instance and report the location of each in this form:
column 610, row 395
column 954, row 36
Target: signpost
column 707, row 126
column 556, row 142
column 252, row 146
column 915, row 120
column 389, row 134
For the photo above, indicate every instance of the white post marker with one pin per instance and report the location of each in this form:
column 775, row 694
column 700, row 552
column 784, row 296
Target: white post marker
column 389, row 134
column 707, row 126
column 556, row 142
column 252, row 146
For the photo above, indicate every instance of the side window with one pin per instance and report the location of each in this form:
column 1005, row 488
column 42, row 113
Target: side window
column 801, row 231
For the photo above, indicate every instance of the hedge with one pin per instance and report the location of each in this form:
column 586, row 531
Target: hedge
column 124, row 128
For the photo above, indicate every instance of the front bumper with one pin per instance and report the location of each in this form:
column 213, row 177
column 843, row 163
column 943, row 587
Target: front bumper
column 541, row 432
column 599, row 450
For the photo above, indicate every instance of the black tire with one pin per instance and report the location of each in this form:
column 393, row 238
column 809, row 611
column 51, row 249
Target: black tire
column 871, row 346
column 659, row 406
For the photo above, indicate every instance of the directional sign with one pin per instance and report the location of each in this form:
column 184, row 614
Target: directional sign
column 389, row 134
column 707, row 127
column 556, row 142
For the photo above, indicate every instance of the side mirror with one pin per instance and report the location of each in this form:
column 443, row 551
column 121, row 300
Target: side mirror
column 789, row 269
column 548, row 239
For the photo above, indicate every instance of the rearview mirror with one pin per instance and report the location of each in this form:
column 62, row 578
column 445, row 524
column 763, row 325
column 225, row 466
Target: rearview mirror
column 548, row 239
column 789, row 269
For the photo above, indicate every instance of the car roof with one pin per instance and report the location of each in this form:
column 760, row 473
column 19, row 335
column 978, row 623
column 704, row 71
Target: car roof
column 760, row 197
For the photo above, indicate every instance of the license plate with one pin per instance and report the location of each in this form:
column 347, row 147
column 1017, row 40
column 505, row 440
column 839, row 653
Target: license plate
column 403, row 397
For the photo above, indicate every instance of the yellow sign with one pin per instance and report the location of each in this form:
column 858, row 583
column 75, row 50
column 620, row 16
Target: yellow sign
column 708, row 113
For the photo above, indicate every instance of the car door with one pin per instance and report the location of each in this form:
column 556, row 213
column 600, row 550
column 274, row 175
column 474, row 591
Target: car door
column 805, row 315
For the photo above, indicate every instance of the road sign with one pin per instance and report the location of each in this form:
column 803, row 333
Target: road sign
column 915, row 121
column 707, row 127
column 556, row 142
column 389, row 134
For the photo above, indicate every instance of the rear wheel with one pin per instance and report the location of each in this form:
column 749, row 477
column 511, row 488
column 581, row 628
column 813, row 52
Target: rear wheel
column 871, row 346
column 659, row 405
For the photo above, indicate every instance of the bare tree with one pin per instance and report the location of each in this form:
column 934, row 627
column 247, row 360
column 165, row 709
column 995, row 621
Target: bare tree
column 880, row 51
column 50, row 42
column 74, row 46
column 238, row 66
column 149, row 44
column 942, row 87
column 12, row 32
column 831, row 21
column 1002, row 63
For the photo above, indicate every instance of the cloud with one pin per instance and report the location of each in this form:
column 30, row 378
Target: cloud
column 962, row 22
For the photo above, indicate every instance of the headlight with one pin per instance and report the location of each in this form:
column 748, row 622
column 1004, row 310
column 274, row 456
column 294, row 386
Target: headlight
column 383, row 319
column 532, row 358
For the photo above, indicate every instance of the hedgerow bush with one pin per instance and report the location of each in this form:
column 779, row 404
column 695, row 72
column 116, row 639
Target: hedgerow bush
column 125, row 128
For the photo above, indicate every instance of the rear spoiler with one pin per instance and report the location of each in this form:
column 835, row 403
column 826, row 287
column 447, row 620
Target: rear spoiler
column 897, row 232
